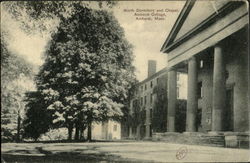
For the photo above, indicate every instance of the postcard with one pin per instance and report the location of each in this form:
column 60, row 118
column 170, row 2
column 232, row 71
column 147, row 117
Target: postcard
column 125, row 81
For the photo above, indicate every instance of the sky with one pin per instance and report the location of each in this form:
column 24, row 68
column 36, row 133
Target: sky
column 146, row 36
column 31, row 47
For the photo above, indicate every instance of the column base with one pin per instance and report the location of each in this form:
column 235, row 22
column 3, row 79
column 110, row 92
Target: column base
column 147, row 138
column 190, row 133
column 171, row 124
column 215, row 133
column 171, row 132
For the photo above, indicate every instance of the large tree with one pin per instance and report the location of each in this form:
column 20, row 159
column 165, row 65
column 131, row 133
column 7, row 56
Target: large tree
column 88, row 69
column 35, row 17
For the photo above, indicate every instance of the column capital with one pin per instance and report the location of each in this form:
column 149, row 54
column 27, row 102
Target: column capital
column 219, row 44
column 171, row 69
column 193, row 58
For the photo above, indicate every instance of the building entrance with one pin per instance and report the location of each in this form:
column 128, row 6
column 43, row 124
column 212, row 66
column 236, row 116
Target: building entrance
column 143, row 131
column 228, row 116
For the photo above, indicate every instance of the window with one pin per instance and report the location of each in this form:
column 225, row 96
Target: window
column 198, row 119
column 162, row 96
column 142, row 88
column 145, row 87
column 115, row 128
column 141, row 100
column 227, row 74
column 151, row 98
column 151, row 114
column 199, row 90
column 145, row 100
column 143, row 115
column 137, row 102
column 201, row 63
column 151, row 84
column 178, row 92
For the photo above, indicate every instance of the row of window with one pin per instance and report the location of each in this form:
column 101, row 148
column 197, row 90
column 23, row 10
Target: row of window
column 143, row 114
column 199, row 94
column 145, row 86
column 143, row 100
column 157, row 82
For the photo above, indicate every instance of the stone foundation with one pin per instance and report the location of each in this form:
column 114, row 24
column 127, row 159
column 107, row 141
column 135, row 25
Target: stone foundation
column 237, row 140
column 230, row 140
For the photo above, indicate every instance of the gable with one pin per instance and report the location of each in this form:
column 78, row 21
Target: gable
column 196, row 16
column 200, row 11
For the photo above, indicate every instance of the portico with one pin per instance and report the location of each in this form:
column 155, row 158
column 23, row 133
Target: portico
column 212, row 50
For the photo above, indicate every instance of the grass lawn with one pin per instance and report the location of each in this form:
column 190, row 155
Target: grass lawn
column 141, row 151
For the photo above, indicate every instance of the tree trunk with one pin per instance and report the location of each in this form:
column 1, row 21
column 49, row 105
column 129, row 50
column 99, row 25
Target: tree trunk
column 82, row 133
column 77, row 132
column 89, row 131
column 18, row 127
column 70, row 130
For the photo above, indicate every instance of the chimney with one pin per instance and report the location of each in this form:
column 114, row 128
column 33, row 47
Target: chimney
column 151, row 67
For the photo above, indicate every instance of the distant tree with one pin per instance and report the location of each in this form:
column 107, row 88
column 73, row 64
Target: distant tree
column 16, row 79
column 136, row 118
column 180, row 115
column 133, row 116
column 159, row 118
column 88, row 69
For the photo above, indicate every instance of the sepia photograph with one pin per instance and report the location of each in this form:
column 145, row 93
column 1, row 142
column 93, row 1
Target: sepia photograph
column 125, row 81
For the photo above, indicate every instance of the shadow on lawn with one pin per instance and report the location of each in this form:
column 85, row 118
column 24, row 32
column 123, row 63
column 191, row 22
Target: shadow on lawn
column 75, row 141
column 76, row 155
column 62, row 157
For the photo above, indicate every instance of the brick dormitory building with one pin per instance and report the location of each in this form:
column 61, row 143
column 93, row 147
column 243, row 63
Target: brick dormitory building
column 209, row 43
column 144, row 98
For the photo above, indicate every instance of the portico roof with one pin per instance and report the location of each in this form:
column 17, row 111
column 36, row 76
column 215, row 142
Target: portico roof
column 196, row 16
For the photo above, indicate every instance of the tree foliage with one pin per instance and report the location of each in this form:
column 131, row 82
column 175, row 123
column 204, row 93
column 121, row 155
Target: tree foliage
column 159, row 120
column 35, row 15
column 38, row 120
column 180, row 115
column 88, row 68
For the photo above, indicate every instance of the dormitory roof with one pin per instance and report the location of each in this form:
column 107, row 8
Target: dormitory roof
column 155, row 75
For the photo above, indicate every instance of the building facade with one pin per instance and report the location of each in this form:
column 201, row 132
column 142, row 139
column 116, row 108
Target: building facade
column 144, row 96
column 209, row 42
column 108, row 130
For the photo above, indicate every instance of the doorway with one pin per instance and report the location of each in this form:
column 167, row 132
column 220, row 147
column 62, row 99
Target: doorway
column 143, row 131
column 229, row 113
